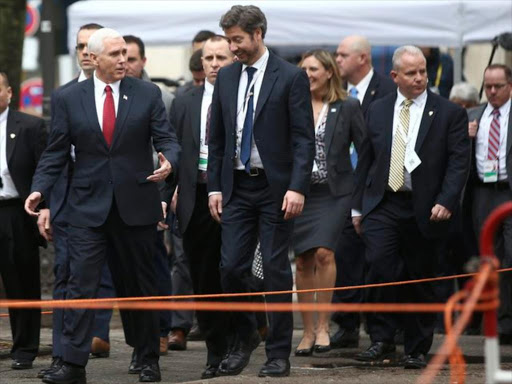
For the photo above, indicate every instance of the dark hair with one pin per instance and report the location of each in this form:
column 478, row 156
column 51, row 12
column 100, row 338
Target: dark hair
column 247, row 17
column 3, row 75
column 195, row 64
column 90, row 26
column 136, row 40
column 202, row 36
column 505, row 68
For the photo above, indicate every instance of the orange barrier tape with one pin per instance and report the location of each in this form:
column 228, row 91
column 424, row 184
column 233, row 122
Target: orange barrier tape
column 42, row 313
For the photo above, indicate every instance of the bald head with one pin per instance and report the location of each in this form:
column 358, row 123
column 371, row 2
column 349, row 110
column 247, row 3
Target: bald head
column 354, row 58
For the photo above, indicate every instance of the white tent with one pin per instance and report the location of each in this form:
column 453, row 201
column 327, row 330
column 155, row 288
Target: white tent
column 435, row 22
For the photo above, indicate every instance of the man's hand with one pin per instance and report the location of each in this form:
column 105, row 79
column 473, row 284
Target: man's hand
column 215, row 206
column 440, row 213
column 293, row 203
column 356, row 222
column 161, row 173
column 473, row 128
column 43, row 224
column 174, row 201
column 32, row 202
column 161, row 224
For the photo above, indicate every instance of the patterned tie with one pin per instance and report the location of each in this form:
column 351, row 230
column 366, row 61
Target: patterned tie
column 396, row 169
column 494, row 136
column 245, row 150
column 207, row 130
column 109, row 116
column 353, row 92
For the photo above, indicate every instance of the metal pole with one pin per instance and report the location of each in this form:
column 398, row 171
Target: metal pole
column 47, row 54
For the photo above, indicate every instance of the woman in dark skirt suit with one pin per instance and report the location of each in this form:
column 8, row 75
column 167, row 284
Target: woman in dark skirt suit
column 338, row 122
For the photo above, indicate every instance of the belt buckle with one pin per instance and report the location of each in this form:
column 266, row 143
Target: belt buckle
column 254, row 172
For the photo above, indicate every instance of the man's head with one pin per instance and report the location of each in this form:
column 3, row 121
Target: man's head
column 354, row 58
column 497, row 84
column 135, row 57
column 82, row 52
column 5, row 91
column 216, row 54
column 195, row 65
column 465, row 95
column 409, row 71
column 245, row 27
column 200, row 38
column 107, row 50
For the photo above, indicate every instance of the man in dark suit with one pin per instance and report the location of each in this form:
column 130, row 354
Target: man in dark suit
column 260, row 156
column 190, row 116
column 354, row 60
column 22, row 140
column 113, row 204
column 412, row 168
column 491, row 177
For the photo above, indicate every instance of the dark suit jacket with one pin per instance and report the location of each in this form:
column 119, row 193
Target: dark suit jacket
column 379, row 87
column 101, row 173
column 476, row 113
column 344, row 125
column 443, row 147
column 186, row 120
column 283, row 129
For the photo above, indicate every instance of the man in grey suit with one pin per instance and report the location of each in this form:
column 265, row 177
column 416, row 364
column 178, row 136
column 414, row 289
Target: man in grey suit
column 491, row 176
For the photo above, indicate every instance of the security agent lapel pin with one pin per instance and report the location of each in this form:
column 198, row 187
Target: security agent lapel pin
column 430, row 113
column 13, row 135
column 372, row 92
column 125, row 97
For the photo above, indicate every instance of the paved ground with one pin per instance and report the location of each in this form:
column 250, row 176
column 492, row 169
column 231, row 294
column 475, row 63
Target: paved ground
column 185, row 367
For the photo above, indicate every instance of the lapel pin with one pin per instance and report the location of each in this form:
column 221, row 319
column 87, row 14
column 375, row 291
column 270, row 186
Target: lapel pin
column 13, row 135
column 333, row 109
column 125, row 97
column 430, row 113
column 372, row 92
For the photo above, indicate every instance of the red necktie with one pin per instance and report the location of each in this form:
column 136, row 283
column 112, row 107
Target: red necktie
column 109, row 116
column 494, row 136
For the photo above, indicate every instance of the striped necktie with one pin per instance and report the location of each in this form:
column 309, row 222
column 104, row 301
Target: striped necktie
column 494, row 136
column 396, row 169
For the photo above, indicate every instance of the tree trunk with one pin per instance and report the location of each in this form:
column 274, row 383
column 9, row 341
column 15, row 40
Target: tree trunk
column 12, row 33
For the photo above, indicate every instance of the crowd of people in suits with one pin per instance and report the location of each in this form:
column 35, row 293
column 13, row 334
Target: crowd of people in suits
column 367, row 178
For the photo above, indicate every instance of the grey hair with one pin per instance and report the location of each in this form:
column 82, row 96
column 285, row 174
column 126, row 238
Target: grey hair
column 400, row 51
column 465, row 92
column 95, row 43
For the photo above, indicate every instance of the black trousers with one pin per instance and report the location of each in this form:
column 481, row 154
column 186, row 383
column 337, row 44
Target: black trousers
column 396, row 250
column 252, row 213
column 202, row 242
column 129, row 252
column 19, row 267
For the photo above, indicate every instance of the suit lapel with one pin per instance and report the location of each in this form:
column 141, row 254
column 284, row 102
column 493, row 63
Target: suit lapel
column 234, row 80
column 269, row 79
column 429, row 113
column 195, row 118
column 509, row 133
column 387, row 113
column 12, row 134
column 123, row 107
column 333, row 114
column 370, row 92
column 89, row 105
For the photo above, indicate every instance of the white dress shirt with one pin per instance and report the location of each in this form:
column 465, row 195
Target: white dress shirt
column 260, row 66
column 205, row 105
column 100, row 94
column 362, row 87
column 482, row 140
column 8, row 191
column 81, row 76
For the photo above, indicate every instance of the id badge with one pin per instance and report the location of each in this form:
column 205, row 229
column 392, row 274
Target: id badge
column 203, row 160
column 490, row 171
column 412, row 161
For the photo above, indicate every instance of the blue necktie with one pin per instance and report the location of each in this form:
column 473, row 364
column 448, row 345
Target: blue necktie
column 245, row 150
column 353, row 154
column 353, row 92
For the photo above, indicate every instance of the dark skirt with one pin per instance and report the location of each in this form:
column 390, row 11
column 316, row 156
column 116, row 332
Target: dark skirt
column 321, row 221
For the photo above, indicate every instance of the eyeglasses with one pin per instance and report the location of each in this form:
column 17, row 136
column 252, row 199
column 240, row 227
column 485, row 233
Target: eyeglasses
column 80, row 47
column 488, row 87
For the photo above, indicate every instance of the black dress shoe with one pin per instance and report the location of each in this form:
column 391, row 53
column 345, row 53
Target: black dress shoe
column 150, row 373
column 345, row 339
column 210, row 371
column 415, row 361
column 275, row 368
column 304, row 352
column 377, row 352
column 135, row 366
column 66, row 374
column 21, row 364
column 239, row 356
column 54, row 366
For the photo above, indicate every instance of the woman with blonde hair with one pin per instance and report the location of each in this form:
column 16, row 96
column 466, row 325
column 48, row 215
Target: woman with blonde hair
column 338, row 122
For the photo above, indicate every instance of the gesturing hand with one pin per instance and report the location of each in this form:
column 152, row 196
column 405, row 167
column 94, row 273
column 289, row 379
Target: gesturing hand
column 161, row 173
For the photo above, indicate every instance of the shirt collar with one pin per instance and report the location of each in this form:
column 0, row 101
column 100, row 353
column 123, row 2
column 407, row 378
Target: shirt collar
column 418, row 101
column 208, row 88
column 3, row 115
column 99, row 86
column 82, row 76
column 260, row 62
column 504, row 109
column 364, row 83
